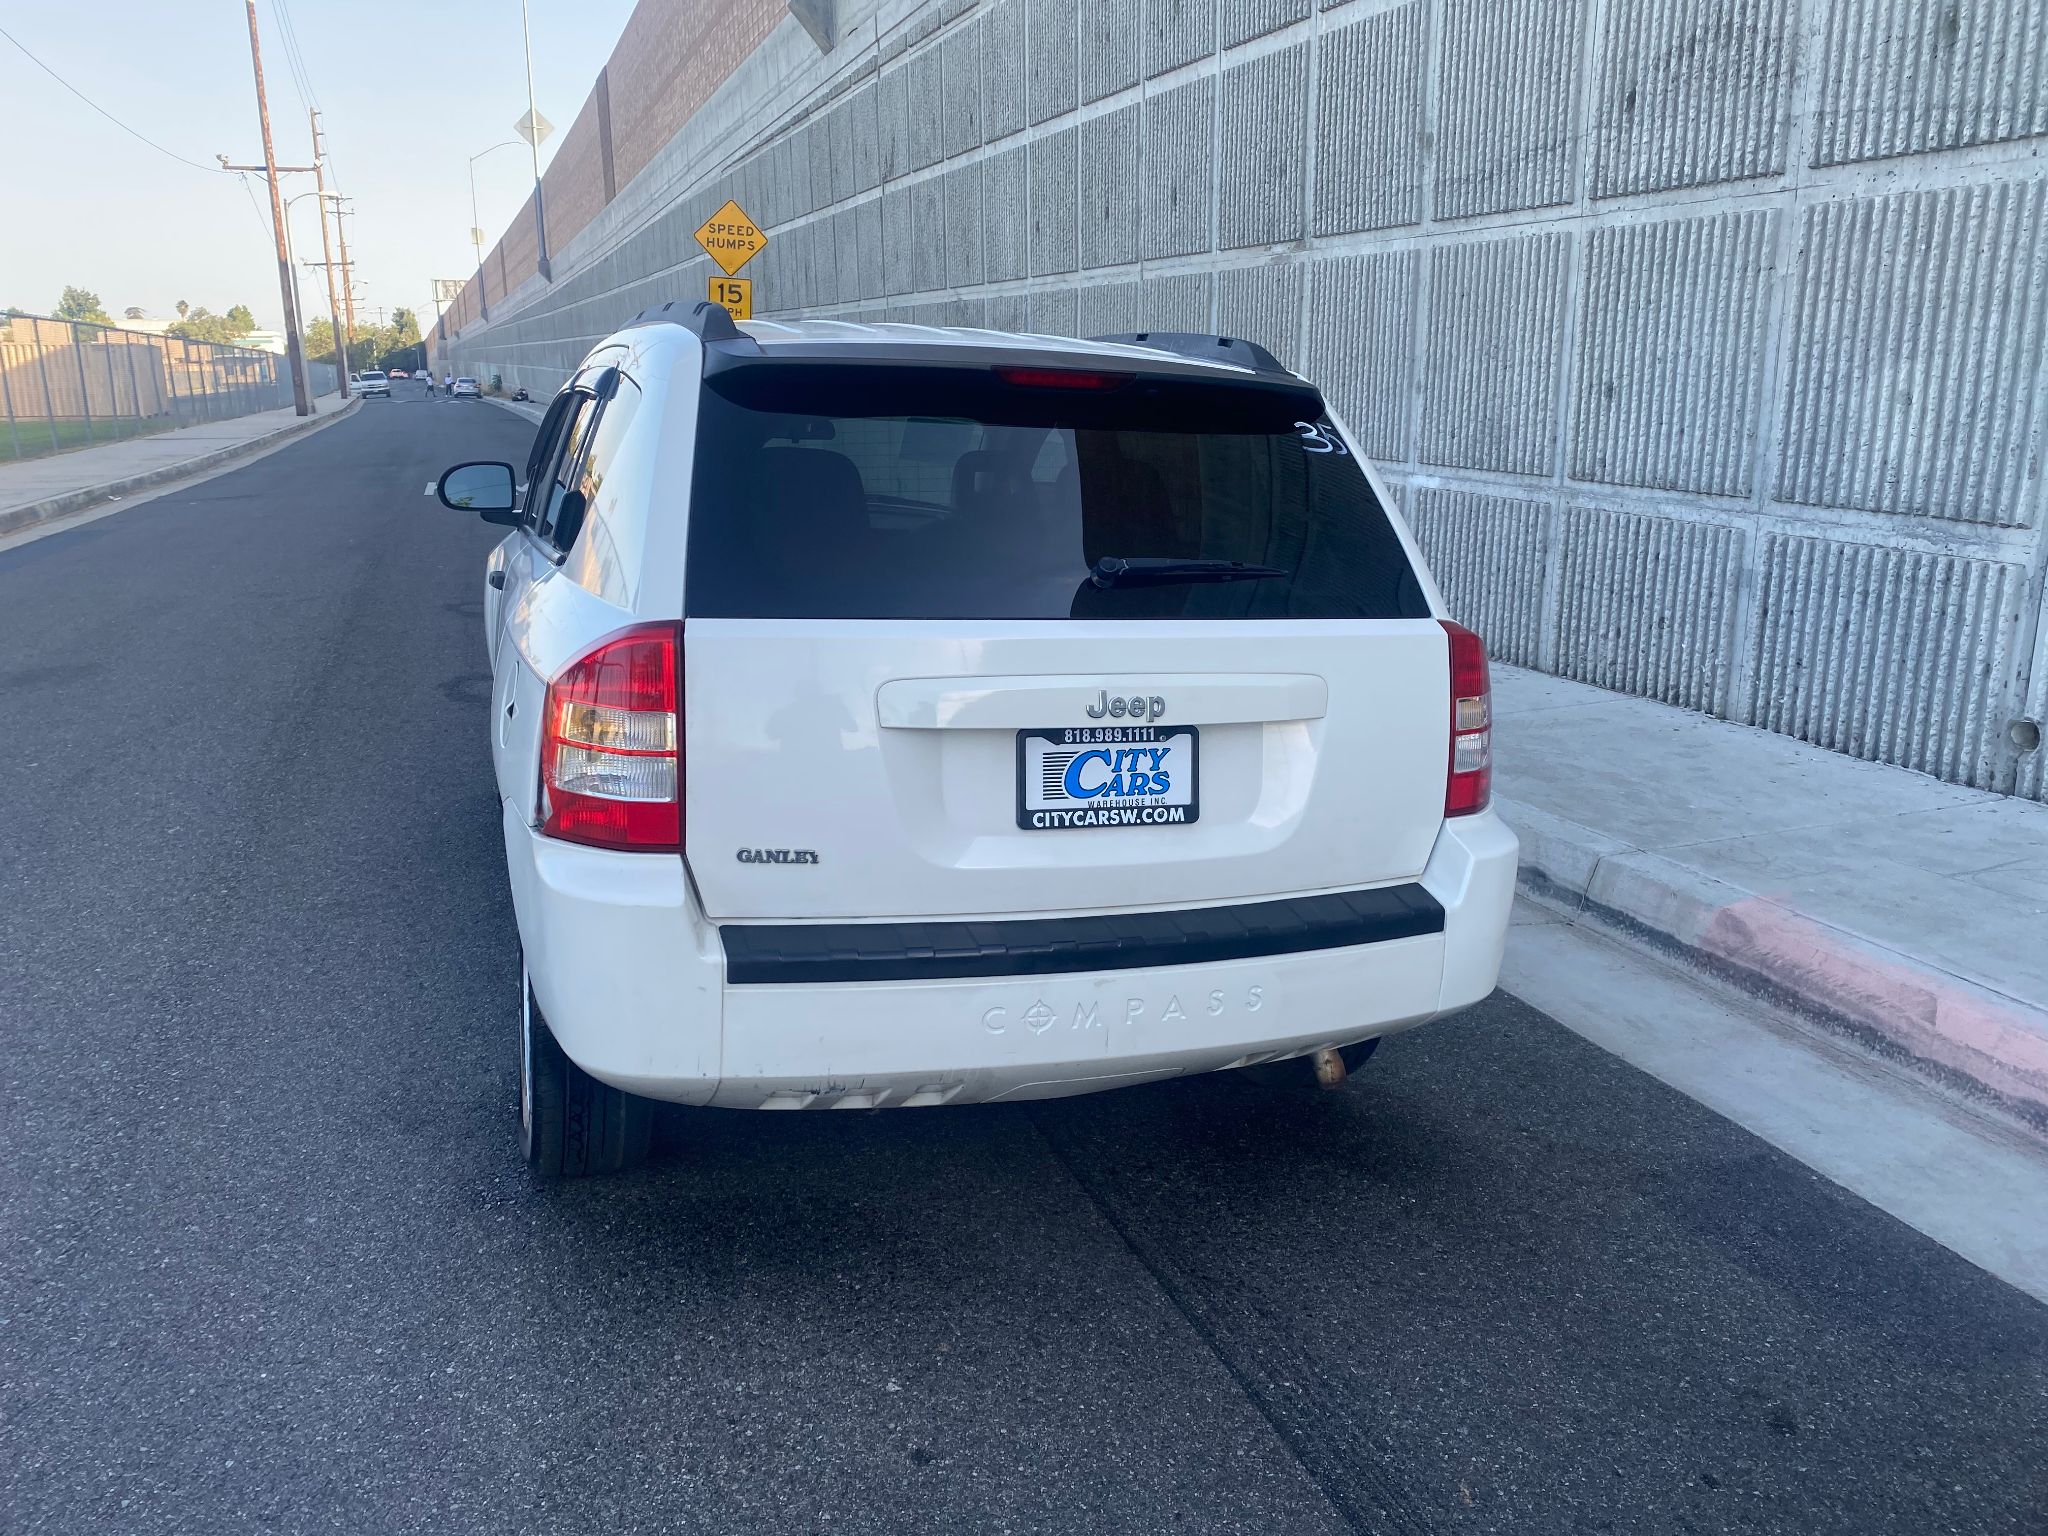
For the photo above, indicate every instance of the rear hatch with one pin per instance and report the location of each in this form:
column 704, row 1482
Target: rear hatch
column 988, row 640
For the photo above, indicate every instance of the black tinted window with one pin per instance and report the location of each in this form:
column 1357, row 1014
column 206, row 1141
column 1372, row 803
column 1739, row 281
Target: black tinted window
column 547, row 441
column 840, row 492
column 562, row 463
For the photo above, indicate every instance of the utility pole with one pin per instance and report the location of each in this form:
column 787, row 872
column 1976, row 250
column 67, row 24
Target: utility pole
column 327, row 253
column 348, row 282
column 294, row 353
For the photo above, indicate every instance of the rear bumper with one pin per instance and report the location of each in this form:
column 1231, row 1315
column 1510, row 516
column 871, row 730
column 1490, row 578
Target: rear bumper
column 632, row 978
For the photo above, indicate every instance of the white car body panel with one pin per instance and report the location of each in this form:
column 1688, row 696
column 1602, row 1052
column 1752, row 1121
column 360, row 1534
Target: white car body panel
column 1018, row 703
column 887, row 748
column 494, row 592
column 1348, row 795
column 630, row 975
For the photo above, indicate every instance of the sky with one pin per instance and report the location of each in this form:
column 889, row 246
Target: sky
column 408, row 90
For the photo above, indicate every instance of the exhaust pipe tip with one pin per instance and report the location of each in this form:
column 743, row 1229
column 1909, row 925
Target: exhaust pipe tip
column 1329, row 1067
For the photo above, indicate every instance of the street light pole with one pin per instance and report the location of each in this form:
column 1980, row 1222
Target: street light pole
column 292, row 261
column 540, row 218
column 476, row 230
column 326, row 261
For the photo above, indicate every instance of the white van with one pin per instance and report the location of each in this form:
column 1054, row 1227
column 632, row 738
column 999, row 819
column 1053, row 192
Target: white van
column 889, row 716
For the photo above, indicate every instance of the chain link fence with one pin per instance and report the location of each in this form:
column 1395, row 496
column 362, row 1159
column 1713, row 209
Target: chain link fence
column 69, row 384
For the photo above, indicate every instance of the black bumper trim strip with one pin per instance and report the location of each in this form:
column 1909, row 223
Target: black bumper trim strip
column 760, row 954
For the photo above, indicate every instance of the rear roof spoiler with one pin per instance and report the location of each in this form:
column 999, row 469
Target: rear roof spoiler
column 1234, row 350
column 726, row 345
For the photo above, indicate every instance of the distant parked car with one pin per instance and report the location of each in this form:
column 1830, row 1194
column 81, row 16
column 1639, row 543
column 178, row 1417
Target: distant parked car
column 398, row 373
column 466, row 387
column 373, row 382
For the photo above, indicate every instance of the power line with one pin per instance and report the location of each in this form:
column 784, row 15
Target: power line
column 261, row 223
column 302, row 74
column 302, row 78
column 212, row 170
column 300, row 67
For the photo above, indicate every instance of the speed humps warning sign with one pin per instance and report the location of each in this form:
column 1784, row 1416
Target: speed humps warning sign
column 731, row 237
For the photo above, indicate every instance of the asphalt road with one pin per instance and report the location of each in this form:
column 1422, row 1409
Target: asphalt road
column 269, row 1262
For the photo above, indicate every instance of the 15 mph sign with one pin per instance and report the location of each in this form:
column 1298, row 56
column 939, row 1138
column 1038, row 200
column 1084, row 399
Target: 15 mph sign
column 731, row 237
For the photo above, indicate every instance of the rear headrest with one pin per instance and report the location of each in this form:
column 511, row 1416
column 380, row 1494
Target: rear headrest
column 813, row 493
column 973, row 475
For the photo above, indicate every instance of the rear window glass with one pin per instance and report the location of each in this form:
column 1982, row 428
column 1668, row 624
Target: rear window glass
column 913, row 493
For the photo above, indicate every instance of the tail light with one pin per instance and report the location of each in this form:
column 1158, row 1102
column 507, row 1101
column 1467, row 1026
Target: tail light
column 1061, row 378
column 611, row 763
column 1469, row 785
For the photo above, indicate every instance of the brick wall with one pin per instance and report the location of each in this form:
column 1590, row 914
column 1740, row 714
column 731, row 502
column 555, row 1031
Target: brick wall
column 517, row 256
column 572, row 187
column 671, row 57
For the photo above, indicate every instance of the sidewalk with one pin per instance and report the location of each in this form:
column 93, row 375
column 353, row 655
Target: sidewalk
column 36, row 490
column 1908, row 913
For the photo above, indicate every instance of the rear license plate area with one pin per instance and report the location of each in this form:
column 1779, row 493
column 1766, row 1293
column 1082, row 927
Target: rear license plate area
column 1075, row 777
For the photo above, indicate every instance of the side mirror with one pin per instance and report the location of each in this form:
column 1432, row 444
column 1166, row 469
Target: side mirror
column 569, row 519
column 488, row 490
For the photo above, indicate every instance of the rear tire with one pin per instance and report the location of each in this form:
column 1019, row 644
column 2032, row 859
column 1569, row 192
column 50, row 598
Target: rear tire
column 1299, row 1071
column 571, row 1125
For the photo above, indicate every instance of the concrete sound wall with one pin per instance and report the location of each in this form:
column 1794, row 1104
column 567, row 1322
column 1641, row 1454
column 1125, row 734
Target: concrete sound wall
column 1703, row 339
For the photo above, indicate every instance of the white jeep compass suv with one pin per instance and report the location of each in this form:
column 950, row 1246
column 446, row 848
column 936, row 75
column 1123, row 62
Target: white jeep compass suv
column 888, row 716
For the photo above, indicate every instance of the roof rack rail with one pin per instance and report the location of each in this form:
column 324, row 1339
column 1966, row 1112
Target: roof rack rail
column 707, row 321
column 1208, row 349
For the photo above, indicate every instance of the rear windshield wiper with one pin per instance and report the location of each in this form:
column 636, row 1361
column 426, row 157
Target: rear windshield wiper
column 1155, row 570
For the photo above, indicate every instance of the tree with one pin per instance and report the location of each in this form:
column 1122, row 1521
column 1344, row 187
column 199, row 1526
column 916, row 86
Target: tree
column 82, row 305
column 371, row 346
column 132, row 312
column 405, row 328
column 241, row 320
column 192, row 324
column 183, row 309
column 202, row 324
column 319, row 342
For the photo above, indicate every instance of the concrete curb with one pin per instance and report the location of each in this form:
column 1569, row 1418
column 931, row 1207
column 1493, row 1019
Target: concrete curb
column 530, row 410
column 1904, row 1007
column 14, row 519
